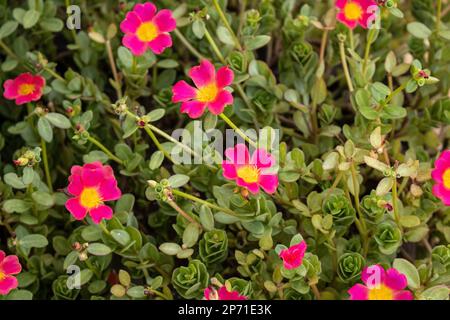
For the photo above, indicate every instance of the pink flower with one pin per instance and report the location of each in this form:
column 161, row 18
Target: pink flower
column 25, row 88
column 293, row 256
column 210, row 91
column 222, row 294
column 381, row 285
column 354, row 12
column 92, row 185
column 144, row 28
column 9, row 265
column 250, row 172
column 441, row 175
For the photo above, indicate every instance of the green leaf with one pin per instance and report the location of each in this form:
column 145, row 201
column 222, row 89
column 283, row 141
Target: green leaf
column 206, row 218
column 178, row 180
column 43, row 198
column 45, row 129
column 156, row 160
column 52, row 24
column 99, row 249
column 419, row 30
column 224, row 35
column 409, row 270
column 14, row 181
column 190, row 235
column 28, row 175
column 58, row 120
column 16, row 205
column 30, row 18
column 8, row 28
column 33, row 241
column 257, row 42
column 170, row 248
column 156, row 114
column 121, row 236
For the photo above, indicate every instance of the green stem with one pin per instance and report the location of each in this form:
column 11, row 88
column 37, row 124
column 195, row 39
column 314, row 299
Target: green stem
column 114, row 69
column 367, row 51
column 238, row 131
column 188, row 45
column 394, row 203
column 201, row 201
column 103, row 227
column 351, row 38
column 159, row 294
column 54, row 74
column 358, row 209
column 156, row 142
column 345, row 66
column 8, row 50
column 105, row 150
column 227, row 25
column 214, row 47
column 46, row 167
column 396, row 91
column 438, row 15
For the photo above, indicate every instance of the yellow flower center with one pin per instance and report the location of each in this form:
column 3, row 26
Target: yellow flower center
column 147, row 32
column 446, row 179
column 2, row 276
column 26, row 89
column 353, row 11
column 380, row 293
column 207, row 93
column 90, row 198
column 250, row 174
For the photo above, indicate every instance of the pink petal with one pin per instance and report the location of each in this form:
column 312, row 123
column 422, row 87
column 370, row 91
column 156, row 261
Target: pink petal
column 160, row 43
column 92, row 174
column 238, row 155
column 11, row 265
column 109, row 191
column 207, row 293
column 136, row 46
column 145, row 11
column 229, row 170
column 438, row 173
column 165, row 21
column 341, row 3
column 194, row 109
column 395, row 280
column 349, row 23
column 2, row 255
column 75, row 185
column 373, row 276
column 269, row 183
column 10, row 90
column 223, row 99
column 23, row 99
column 358, row 292
column 7, row 284
column 131, row 23
column 101, row 212
column 224, row 77
column 76, row 209
column 403, row 295
column 183, row 92
column 442, row 193
column 39, row 82
column 252, row 187
column 203, row 74
column 262, row 159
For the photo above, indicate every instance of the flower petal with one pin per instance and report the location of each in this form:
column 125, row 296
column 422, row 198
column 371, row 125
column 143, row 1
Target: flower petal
column 145, row 11
column 11, row 265
column 183, row 92
column 403, row 295
column 224, row 77
column 262, row 159
column 108, row 190
column 238, row 155
column 7, row 284
column 92, row 175
column 349, row 23
column 358, row 292
column 160, row 43
column 2, row 255
column 136, row 46
column 269, row 183
column 131, row 23
column 252, row 187
column 229, row 170
column 164, row 21
column 442, row 193
column 10, row 89
column 101, row 212
column 202, row 74
column 194, row 109
column 223, row 99
column 395, row 280
column 76, row 209
column 373, row 276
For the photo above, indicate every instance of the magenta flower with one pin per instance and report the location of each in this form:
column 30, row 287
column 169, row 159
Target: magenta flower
column 210, row 92
column 222, row 294
column 250, row 172
column 92, row 185
column 25, row 88
column 9, row 266
column 145, row 29
column 293, row 256
column 381, row 285
column 354, row 12
column 441, row 175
